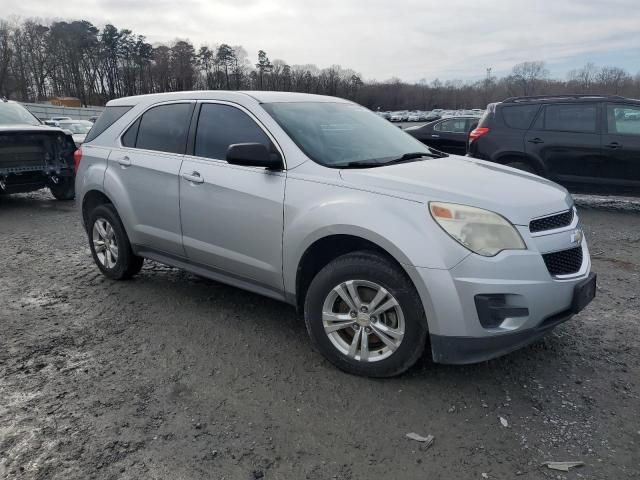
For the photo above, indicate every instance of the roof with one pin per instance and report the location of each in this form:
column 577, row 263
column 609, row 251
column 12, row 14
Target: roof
column 226, row 95
column 580, row 98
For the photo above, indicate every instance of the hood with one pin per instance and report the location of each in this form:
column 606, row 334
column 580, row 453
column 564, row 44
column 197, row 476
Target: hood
column 517, row 195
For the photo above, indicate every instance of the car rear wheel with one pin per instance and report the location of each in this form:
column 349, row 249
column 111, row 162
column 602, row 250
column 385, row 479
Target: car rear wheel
column 363, row 314
column 110, row 245
column 64, row 189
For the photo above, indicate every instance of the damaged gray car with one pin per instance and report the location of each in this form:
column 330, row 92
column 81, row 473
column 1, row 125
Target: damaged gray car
column 34, row 156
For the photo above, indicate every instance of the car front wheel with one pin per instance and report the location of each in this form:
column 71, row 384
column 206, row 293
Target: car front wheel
column 365, row 316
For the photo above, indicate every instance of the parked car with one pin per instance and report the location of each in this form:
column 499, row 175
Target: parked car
column 447, row 135
column 581, row 141
column 397, row 117
column 77, row 128
column 33, row 155
column 413, row 117
column 381, row 243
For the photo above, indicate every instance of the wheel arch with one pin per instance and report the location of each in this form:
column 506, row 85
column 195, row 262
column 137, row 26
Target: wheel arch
column 326, row 248
column 91, row 200
column 508, row 157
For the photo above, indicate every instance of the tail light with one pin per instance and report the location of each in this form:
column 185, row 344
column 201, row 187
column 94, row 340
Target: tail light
column 77, row 156
column 477, row 133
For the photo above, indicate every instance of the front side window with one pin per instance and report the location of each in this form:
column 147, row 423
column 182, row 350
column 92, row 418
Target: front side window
column 623, row 120
column 570, row 118
column 342, row 134
column 222, row 125
column 454, row 125
column 164, row 128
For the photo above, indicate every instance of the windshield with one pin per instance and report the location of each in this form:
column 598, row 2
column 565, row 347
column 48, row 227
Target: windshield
column 16, row 114
column 342, row 134
column 76, row 127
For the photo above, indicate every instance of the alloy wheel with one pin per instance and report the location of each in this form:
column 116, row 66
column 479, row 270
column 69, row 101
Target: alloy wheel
column 363, row 320
column 105, row 243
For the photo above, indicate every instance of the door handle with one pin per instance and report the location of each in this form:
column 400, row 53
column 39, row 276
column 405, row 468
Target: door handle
column 536, row 140
column 614, row 145
column 193, row 177
column 124, row 161
column 435, row 136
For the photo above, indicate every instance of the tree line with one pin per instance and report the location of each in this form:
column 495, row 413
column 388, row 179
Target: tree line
column 95, row 64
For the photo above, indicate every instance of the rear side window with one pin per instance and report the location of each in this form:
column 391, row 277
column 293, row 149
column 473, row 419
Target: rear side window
column 454, row 125
column 164, row 128
column 570, row 118
column 519, row 116
column 105, row 120
column 222, row 125
column 129, row 138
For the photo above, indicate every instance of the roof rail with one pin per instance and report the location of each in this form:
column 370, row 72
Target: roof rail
column 571, row 96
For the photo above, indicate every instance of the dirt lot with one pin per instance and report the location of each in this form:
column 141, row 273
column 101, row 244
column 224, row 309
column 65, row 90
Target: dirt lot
column 170, row 376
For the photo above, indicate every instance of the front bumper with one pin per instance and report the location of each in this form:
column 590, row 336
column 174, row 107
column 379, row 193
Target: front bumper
column 538, row 301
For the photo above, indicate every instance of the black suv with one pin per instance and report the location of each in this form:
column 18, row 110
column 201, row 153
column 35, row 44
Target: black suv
column 580, row 141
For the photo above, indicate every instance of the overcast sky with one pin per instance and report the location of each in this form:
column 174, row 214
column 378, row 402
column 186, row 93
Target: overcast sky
column 409, row 39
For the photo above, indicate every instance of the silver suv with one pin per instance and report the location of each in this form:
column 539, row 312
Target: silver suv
column 384, row 245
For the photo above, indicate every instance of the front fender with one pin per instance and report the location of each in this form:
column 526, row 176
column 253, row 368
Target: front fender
column 401, row 227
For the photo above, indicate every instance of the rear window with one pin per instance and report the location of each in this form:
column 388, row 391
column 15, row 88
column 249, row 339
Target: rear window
column 105, row 120
column 164, row 128
column 519, row 116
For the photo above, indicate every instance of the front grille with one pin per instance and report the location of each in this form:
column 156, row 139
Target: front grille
column 564, row 262
column 551, row 222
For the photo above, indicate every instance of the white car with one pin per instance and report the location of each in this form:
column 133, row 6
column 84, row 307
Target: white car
column 77, row 128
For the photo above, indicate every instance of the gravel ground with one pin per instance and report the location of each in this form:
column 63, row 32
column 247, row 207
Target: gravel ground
column 170, row 376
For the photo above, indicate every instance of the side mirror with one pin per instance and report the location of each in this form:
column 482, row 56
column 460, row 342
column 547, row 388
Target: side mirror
column 253, row 155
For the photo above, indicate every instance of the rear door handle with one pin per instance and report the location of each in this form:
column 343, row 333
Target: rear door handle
column 435, row 136
column 193, row 177
column 614, row 145
column 124, row 161
column 536, row 140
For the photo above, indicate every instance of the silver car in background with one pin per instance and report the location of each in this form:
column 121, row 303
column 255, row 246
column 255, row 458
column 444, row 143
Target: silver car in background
column 383, row 245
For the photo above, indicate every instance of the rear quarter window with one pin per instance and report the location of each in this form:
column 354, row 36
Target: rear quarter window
column 519, row 116
column 108, row 117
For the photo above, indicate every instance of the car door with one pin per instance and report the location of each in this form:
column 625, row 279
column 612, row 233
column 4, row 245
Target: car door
column 145, row 175
column 232, row 216
column 450, row 135
column 566, row 138
column 621, row 144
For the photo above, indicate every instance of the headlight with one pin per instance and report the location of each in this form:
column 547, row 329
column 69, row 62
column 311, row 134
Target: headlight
column 481, row 231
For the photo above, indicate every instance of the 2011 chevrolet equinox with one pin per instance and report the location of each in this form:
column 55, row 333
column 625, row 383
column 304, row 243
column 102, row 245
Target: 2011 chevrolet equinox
column 383, row 243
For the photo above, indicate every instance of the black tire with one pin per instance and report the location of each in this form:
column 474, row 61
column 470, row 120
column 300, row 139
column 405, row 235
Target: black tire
column 524, row 166
column 127, row 264
column 369, row 267
column 63, row 190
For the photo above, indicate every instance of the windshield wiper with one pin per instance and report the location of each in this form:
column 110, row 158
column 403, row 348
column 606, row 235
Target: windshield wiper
column 407, row 157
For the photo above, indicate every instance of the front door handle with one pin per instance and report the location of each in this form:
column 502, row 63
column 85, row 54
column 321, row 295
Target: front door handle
column 536, row 140
column 614, row 145
column 435, row 136
column 193, row 177
column 124, row 161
